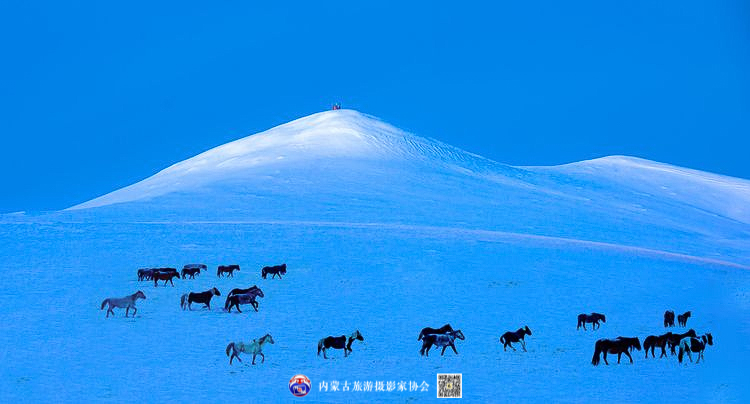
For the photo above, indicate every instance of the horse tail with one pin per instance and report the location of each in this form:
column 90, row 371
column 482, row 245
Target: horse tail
column 597, row 352
column 680, row 354
column 104, row 303
column 226, row 303
column 182, row 301
column 320, row 346
column 263, row 272
column 218, row 271
column 421, row 334
column 230, row 347
column 502, row 339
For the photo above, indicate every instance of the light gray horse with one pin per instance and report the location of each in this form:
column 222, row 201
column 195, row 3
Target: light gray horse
column 441, row 340
column 254, row 347
column 127, row 303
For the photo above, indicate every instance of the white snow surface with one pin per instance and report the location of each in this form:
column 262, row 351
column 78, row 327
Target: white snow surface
column 385, row 232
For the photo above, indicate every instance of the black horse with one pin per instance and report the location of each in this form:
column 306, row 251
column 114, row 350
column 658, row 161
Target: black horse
column 683, row 318
column 237, row 300
column 674, row 339
column 669, row 318
column 203, row 297
column 427, row 330
column 166, row 275
column 515, row 336
column 145, row 274
column 192, row 270
column 237, row 291
column 341, row 342
column 274, row 270
column 695, row 345
column 619, row 346
column 654, row 341
column 227, row 269
column 592, row 318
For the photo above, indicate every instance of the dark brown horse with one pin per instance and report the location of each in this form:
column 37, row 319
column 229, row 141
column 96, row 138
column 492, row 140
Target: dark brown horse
column 515, row 336
column 192, row 270
column 145, row 274
column 247, row 298
column 227, row 269
column 339, row 343
column 619, row 346
column 428, row 330
column 590, row 318
column 202, row 297
column 674, row 339
column 165, row 276
column 669, row 318
column 274, row 270
column 653, row 341
column 683, row 318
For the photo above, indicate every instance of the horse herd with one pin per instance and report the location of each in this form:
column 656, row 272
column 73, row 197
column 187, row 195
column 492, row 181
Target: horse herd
column 687, row 342
column 443, row 337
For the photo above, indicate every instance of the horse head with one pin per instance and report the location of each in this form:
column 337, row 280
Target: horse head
column 691, row 333
column 215, row 292
column 260, row 293
column 708, row 339
column 458, row 334
column 527, row 330
column 357, row 336
column 637, row 343
column 140, row 294
column 269, row 338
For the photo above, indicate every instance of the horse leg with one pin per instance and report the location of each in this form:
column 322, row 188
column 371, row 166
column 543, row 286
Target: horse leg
column 628, row 354
column 238, row 308
column 523, row 345
column 619, row 355
column 190, row 305
column 254, row 358
column 134, row 311
column 443, row 351
column 108, row 310
column 605, row 357
column 454, row 348
column 256, row 309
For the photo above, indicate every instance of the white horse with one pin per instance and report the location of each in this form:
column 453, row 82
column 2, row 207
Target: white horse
column 127, row 303
column 689, row 344
column 255, row 347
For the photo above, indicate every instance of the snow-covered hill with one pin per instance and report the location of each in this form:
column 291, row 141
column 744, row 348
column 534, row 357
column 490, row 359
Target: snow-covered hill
column 385, row 232
column 345, row 166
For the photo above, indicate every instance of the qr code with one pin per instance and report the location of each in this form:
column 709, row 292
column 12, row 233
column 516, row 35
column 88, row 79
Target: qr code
column 449, row 385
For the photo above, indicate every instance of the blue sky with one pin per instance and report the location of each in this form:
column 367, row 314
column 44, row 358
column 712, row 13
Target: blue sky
column 98, row 95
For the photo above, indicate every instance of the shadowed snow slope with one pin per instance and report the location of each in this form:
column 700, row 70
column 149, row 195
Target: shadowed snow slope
column 348, row 167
